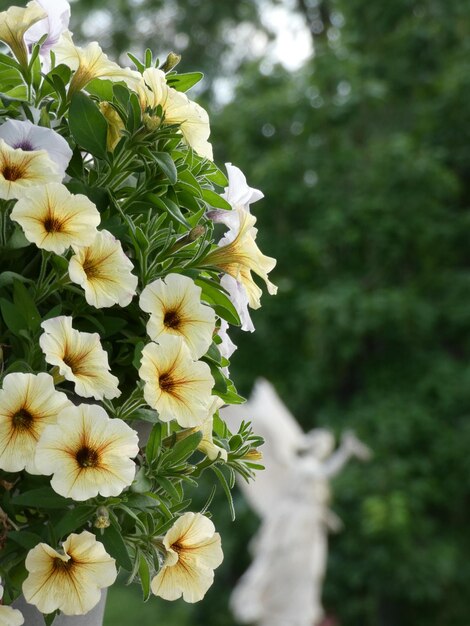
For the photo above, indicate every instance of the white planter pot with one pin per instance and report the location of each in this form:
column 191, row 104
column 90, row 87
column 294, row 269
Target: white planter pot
column 32, row 617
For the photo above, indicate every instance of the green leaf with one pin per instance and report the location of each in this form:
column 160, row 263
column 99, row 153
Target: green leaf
column 144, row 575
column 24, row 302
column 103, row 89
column 184, row 82
column 147, row 415
column 225, row 486
column 184, row 448
column 44, row 498
column 13, row 318
column 171, row 207
column 215, row 200
column 167, row 165
column 154, row 441
column 216, row 296
column 7, row 278
column 115, row 546
column 24, row 538
column 72, row 520
column 169, row 488
column 88, row 125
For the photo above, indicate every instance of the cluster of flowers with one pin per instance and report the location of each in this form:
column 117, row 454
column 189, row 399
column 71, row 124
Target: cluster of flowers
column 85, row 143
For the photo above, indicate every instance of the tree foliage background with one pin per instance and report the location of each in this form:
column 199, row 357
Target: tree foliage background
column 364, row 158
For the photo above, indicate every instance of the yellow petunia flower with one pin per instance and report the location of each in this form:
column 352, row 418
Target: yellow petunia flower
column 193, row 551
column 104, row 272
column 175, row 308
column 87, row 453
column 28, row 403
column 70, row 580
column 20, row 170
column 177, row 108
column 89, row 63
column 14, row 22
column 175, row 385
column 54, row 219
column 79, row 357
column 115, row 125
column 238, row 255
column 207, row 445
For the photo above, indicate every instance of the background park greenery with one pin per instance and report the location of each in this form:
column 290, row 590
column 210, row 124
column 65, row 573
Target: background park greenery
column 364, row 156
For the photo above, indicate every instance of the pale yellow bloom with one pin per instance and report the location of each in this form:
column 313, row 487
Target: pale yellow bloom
column 238, row 255
column 20, row 170
column 28, row 403
column 175, row 308
column 14, row 22
column 87, row 453
column 175, row 385
column 79, row 357
column 115, row 125
column 10, row 616
column 55, row 219
column 104, row 272
column 177, row 109
column 70, row 580
column 193, row 551
column 89, row 63
column 207, row 445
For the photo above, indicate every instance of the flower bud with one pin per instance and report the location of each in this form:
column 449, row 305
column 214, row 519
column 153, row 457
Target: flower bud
column 102, row 518
column 172, row 61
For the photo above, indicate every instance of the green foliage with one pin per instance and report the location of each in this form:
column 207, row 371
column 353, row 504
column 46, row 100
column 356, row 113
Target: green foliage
column 364, row 159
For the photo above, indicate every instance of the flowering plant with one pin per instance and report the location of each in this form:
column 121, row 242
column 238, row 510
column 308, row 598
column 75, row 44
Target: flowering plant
column 115, row 297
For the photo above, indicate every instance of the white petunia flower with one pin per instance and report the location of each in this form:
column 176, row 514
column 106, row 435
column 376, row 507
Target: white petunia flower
column 104, row 272
column 177, row 109
column 193, row 552
column 14, row 22
column 239, row 299
column 89, row 63
column 227, row 347
column 28, row 403
column 175, row 385
column 29, row 137
column 238, row 193
column 70, row 580
column 79, row 357
column 87, row 453
column 21, row 170
column 239, row 255
column 175, row 308
column 54, row 219
column 56, row 22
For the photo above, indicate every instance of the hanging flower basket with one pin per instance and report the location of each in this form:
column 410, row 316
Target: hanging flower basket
column 125, row 255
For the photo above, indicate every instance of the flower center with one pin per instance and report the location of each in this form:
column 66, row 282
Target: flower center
column 11, row 172
column 87, row 457
column 61, row 565
column 25, row 145
column 52, row 224
column 166, row 382
column 171, row 319
column 22, row 419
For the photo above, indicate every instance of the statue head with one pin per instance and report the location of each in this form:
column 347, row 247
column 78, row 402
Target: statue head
column 318, row 442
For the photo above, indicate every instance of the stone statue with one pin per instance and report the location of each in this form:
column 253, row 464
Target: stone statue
column 283, row 585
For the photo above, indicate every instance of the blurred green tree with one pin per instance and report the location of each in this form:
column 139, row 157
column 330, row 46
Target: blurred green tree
column 364, row 156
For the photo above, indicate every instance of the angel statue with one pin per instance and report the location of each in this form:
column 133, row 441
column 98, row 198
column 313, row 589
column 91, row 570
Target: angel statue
column 283, row 585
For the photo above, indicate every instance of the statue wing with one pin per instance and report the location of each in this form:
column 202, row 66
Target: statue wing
column 283, row 436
